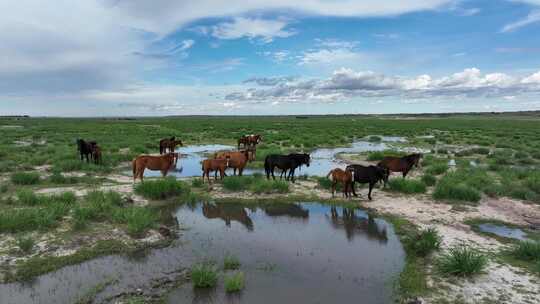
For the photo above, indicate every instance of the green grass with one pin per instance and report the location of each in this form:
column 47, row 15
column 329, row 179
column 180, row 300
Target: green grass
column 235, row 282
column 408, row 186
column 137, row 219
column 379, row 155
column 269, row 186
column 461, row 261
column 459, row 186
column 204, row 275
column 237, row 183
column 25, row 178
column 29, row 219
column 437, row 169
column 429, row 180
column 162, row 188
column 425, row 242
column 25, row 244
column 527, row 251
column 231, row 262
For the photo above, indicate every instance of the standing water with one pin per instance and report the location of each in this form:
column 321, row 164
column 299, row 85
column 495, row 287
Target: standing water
column 290, row 253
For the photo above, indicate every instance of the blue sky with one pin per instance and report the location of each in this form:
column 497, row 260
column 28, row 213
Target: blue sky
column 109, row 58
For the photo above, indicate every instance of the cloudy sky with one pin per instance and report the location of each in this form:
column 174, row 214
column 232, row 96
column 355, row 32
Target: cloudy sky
column 179, row 57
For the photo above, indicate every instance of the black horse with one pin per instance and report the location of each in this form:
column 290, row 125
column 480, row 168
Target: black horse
column 285, row 162
column 86, row 149
column 370, row 174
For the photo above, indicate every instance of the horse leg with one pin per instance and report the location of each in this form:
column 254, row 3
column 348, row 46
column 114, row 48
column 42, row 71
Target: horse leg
column 272, row 170
column 333, row 188
column 352, row 187
column 405, row 173
column 370, row 187
column 292, row 175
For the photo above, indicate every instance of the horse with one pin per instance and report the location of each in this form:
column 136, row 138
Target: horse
column 162, row 163
column 96, row 154
column 170, row 144
column 228, row 213
column 237, row 159
column 345, row 177
column 400, row 164
column 85, row 148
column 249, row 140
column 214, row 165
column 285, row 162
column 364, row 175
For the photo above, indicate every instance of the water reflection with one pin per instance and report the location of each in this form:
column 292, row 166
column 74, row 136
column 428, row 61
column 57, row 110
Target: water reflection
column 357, row 224
column 228, row 213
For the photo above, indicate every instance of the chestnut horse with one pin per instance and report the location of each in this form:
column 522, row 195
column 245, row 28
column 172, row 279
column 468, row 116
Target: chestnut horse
column 345, row 177
column 249, row 140
column 400, row 164
column 162, row 163
column 238, row 159
column 169, row 144
column 216, row 165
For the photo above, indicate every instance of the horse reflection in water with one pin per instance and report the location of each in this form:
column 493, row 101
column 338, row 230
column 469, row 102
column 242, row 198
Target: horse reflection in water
column 290, row 210
column 353, row 224
column 228, row 213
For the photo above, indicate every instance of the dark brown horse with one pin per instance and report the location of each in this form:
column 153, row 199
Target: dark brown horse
column 85, row 148
column 345, row 177
column 367, row 175
column 249, row 140
column 167, row 145
column 162, row 163
column 237, row 159
column 400, row 164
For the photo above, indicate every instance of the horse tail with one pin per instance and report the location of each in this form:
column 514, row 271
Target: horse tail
column 330, row 173
column 134, row 166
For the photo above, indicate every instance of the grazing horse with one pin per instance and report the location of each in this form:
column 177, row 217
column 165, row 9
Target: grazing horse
column 285, row 162
column 237, row 159
column 85, row 148
column 169, row 144
column 345, row 177
column 400, row 164
column 364, row 175
column 162, row 163
column 96, row 154
column 216, row 165
column 249, row 140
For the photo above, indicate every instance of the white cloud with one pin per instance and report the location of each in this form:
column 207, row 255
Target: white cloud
column 264, row 29
column 347, row 83
column 531, row 18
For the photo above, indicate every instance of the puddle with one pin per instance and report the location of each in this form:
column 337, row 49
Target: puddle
column 290, row 253
column 503, row 231
column 322, row 160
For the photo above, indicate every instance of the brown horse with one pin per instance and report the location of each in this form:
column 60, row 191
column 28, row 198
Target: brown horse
column 238, row 159
column 249, row 140
column 162, row 163
column 400, row 164
column 96, row 154
column 216, row 165
column 169, row 144
column 345, row 177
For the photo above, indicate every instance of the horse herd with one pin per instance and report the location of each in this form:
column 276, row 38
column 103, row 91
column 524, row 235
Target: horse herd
column 238, row 160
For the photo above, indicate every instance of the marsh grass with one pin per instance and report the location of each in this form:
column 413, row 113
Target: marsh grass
column 461, row 261
column 459, row 186
column 231, row 262
column 526, row 251
column 408, row 186
column 28, row 219
column 137, row 219
column 437, row 169
column 379, row 155
column 269, row 186
column 25, row 178
column 425, row 242
column 162, row 188
column 429, row 180
column 25, row 243
column 237, row 183
column 204, row 275
column 234, row 282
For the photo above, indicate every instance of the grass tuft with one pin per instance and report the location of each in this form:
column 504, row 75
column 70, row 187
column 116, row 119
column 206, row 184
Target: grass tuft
column 25, row 244
column 429, row 180
column 408, row 186
column 425, row 242
column 231, row 262
column 527, row 251
column 162, row 188
column 462, row 261
column 25, row 178
column 234, row 283
column 204, row 275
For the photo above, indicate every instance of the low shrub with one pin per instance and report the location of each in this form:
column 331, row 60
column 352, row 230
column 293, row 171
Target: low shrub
column 162, row 188
column 437, row 169
column 234, row 283
column 204, row 275
column 25, row 178
column 461, row 261
column 408, row 186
